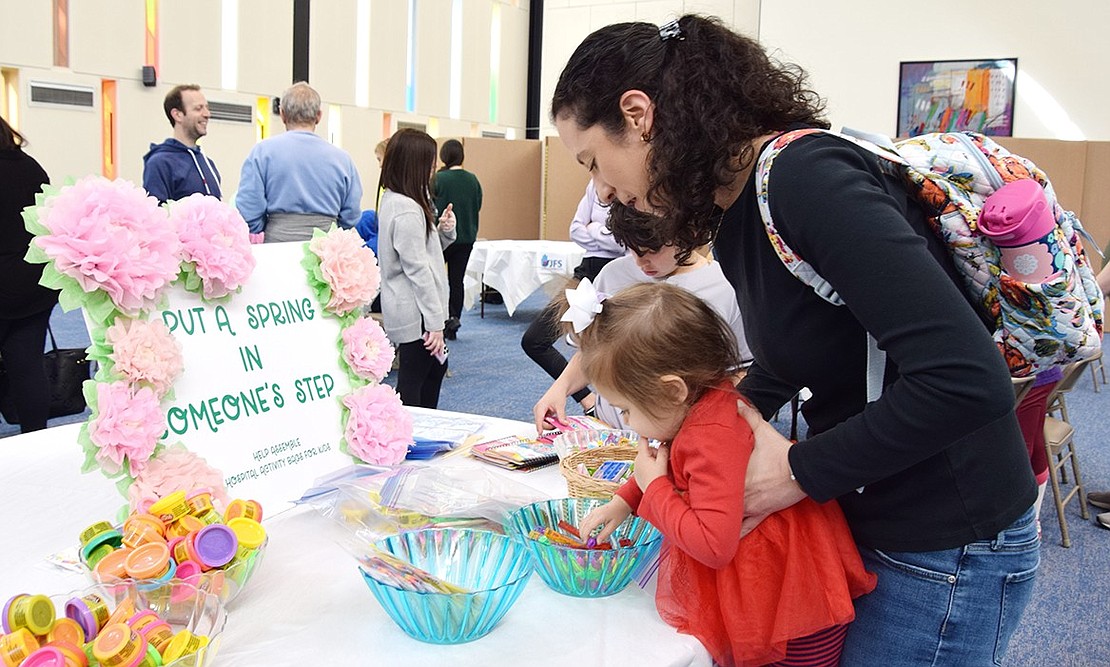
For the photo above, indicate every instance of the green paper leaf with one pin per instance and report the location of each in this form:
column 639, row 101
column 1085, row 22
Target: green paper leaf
column 35, row 255
column 124, row 484
column 68, row 301
column 88, row 390
column 100, row 306
column 54, row 280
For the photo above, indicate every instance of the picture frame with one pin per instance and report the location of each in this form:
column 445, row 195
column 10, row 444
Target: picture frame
column 957, row 95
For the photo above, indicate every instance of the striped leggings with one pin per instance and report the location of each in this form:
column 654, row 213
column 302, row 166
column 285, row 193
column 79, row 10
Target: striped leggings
column 821, row 649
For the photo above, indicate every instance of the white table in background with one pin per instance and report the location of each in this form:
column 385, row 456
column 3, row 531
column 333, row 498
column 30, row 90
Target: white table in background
column 307, row 604
column 516, row 269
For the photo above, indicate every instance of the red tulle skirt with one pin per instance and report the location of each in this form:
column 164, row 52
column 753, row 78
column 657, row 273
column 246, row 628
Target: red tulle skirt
column 794, row 575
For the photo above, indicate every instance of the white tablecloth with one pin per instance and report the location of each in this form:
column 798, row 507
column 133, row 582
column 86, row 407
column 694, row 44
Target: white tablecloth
column 307, row 604
column 518, row 268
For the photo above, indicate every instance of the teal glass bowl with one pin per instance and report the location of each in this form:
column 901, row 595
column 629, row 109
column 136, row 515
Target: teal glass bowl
column 584, row 573
column 494, row 568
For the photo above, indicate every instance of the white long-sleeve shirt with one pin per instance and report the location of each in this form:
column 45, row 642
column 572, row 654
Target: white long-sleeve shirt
column 589, row 230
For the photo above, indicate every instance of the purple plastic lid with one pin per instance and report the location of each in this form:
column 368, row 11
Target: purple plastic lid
column 8, row 607
column 216, row 545
column 77, row 610
column 47, row 656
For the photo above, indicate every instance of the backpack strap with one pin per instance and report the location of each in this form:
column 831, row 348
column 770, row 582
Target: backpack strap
column 801, row 269
column 797, row 266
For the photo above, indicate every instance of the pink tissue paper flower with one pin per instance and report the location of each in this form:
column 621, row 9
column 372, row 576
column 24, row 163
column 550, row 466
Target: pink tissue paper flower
column 366, row 349
column 145, row 353
column 175, row 469
column 110, row 235
column 127, row 424
column 215, row 238
column 348, row 267
column 379, row 429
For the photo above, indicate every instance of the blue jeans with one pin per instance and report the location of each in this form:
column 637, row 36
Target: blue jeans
column 952, row 607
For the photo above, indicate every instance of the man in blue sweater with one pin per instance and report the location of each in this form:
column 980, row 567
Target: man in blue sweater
column 175, row 168
column 296, row 182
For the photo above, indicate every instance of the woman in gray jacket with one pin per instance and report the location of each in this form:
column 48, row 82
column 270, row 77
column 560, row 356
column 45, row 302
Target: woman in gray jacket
column 410, row 253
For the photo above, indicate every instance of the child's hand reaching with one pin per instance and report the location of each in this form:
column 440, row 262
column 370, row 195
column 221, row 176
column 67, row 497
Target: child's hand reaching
column 608, row 517
column 651, row 463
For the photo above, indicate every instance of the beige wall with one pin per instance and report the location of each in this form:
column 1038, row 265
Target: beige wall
column 107, row 42
column 852, row 50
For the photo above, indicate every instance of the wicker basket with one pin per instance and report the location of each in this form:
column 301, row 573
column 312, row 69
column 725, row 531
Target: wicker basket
column 583, row 486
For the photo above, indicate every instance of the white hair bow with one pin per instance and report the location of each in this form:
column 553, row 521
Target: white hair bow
column 585, row 303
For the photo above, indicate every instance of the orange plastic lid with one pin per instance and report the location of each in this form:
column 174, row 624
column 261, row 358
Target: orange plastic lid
column 118, row 644
column 113, row 566
column 137, row 533
column 67, row 630
column 158, row 634
column 123, row 611
column 185, row 525
column 243, row 508
column 148, row 519
column 148, row 561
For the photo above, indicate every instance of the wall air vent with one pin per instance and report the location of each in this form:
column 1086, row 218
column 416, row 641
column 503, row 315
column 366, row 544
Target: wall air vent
column 234, row 113
column 61, row 94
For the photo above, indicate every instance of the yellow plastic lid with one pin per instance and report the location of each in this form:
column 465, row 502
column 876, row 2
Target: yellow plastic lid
column 183, row 643
column 16, row 646
column 251, row 534
column 171, row 508
column 34, row 612
column 94, row 530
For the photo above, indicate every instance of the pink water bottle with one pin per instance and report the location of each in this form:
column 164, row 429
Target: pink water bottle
column 1020, row 221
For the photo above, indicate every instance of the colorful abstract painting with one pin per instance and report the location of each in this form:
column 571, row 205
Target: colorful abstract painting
column 955, row 95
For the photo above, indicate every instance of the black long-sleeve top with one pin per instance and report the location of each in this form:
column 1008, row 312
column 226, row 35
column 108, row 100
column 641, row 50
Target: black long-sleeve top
column 21, row 178
column 939, row 455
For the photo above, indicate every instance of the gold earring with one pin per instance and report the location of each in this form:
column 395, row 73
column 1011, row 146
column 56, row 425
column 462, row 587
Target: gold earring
column 645, row 137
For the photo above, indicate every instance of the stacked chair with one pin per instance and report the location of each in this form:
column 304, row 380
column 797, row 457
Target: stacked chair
column 1059, row 436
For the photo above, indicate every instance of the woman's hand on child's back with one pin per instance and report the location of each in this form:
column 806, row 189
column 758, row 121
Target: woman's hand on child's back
column 607, row 517
column 768, row 486
column 651, row 463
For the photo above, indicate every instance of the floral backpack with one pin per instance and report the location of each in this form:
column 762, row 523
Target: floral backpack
column 1036, row 326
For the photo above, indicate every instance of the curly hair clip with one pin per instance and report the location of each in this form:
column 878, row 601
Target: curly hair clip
column 584, row 304
column 671, row 31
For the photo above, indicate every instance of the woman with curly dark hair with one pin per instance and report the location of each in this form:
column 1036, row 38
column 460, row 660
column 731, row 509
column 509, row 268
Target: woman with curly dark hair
column 932, row 472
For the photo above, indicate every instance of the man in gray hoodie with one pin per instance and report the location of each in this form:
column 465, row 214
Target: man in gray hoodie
column 176, row 168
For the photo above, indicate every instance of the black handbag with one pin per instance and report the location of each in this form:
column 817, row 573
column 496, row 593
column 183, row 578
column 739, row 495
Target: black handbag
column 66, row 370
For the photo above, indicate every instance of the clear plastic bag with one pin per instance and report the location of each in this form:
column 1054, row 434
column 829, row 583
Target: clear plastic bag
column 374, row 502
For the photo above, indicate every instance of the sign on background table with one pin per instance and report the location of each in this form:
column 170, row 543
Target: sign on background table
column 516, row 269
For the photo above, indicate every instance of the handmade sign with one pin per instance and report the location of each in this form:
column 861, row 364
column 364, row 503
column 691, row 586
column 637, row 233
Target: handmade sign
column 219, row 367
column 259, row 394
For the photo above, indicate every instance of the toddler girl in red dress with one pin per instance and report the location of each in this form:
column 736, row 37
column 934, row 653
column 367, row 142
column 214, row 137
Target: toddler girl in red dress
column 782, row 594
